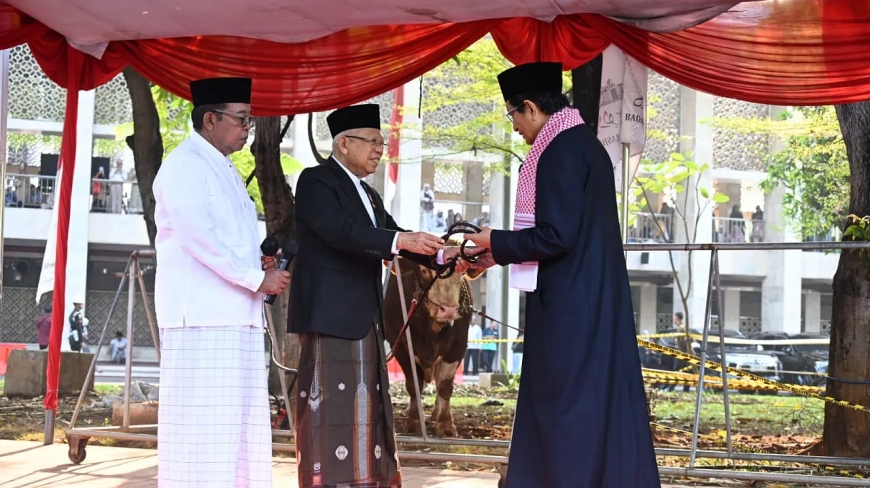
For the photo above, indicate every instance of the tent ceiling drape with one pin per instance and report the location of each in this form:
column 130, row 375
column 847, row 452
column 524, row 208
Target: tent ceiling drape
column 778, row 52
column 94, row 21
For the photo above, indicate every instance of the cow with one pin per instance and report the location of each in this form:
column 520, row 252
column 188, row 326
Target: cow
column 439, row 335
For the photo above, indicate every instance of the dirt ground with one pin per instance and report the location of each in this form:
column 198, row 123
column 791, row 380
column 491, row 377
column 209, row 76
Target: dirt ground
column 477, row 415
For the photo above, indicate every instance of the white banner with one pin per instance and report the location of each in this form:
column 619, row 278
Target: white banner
column 622, row 110
column 46, row 275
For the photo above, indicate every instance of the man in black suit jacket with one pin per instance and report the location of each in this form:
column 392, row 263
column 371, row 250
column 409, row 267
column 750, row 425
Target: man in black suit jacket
column 344, row 421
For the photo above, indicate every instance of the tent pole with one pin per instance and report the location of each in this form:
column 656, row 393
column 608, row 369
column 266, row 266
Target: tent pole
column 625, row 187
column 4, row 114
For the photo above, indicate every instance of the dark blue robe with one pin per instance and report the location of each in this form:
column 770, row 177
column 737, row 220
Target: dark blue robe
column 581, row 419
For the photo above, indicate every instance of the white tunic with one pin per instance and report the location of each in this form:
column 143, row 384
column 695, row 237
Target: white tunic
column 208, row 244
column 213, row 420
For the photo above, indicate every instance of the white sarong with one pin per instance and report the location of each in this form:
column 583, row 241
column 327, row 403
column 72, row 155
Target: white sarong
column 213, row 420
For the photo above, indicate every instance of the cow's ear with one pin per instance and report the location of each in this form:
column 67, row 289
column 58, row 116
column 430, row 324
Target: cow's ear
column 474, row 273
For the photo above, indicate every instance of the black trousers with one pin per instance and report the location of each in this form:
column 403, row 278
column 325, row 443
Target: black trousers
column 487, row 358
column 472, row 354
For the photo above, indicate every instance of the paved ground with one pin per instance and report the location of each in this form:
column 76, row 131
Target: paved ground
column 32, row 465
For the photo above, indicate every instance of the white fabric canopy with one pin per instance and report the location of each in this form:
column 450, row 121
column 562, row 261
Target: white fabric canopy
column 89, row 22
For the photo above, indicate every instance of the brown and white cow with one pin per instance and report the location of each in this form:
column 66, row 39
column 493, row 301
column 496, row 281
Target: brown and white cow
column 439, row 334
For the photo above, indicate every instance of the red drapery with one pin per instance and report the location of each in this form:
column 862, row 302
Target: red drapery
column 779, row 53
column 776, row 53
column 342, row 69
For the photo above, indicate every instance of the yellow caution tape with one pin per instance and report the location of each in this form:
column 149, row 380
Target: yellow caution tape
column 713, row 338
column 656, row 377
column 713, row 366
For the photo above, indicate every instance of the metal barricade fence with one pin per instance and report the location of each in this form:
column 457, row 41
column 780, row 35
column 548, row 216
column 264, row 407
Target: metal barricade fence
column 78, row 436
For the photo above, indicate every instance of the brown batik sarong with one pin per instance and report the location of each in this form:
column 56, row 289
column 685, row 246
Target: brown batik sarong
column 344, row 418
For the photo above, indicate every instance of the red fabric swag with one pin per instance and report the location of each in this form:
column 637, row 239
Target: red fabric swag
column 342, row 69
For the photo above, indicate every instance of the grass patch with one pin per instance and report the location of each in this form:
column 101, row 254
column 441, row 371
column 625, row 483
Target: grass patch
column 750, row 414
column 104, row 390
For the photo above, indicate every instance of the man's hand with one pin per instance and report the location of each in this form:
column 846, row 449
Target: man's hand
column 452, row 255
column 275, row 282
column 269, row 262
column 482, row 239
column 484, row 261
column 419, row 242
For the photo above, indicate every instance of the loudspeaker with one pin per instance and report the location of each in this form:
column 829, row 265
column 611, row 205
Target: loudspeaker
column 48, row 164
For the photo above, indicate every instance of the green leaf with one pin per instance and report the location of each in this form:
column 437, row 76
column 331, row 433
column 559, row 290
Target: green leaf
column 291, row 165
column 677, row 157
column 704, row 193
column 721, row 198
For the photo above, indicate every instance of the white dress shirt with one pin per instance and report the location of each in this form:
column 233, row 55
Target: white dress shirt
column 118, row 174
column 208, row 249
column 357, row 183
column 475, row 334
column 367, row 203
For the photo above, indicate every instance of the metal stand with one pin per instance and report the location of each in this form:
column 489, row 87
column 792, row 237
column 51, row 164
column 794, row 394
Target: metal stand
column 700, row 389
column 282, row 377
column 409, row 344
column 78, row 438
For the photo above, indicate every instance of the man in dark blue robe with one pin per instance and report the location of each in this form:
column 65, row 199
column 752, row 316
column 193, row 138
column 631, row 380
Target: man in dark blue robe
column 581, row 419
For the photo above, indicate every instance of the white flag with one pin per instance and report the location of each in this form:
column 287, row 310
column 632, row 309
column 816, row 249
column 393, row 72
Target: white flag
column 622, row 110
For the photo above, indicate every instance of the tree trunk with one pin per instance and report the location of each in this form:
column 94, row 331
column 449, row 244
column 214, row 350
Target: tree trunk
column 146, row 143
column 276, row 194
column 846, row 431
column 279, row 207
column 586, row 90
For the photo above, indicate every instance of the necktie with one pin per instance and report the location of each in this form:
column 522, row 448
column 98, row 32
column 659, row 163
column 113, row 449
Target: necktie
column 368, row 193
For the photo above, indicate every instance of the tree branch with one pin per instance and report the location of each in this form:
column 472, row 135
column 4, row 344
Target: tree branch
column 311, row 142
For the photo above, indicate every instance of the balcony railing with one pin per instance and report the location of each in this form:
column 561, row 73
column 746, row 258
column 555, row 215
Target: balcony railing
column 439, row 219
column 29, row 191
column 835, row 235
column 651, row 227
column 107, row 196
column 737, row 230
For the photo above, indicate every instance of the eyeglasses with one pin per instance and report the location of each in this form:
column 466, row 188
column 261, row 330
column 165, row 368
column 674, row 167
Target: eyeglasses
column 245, row 119
column 510, row 114
column 372, row 142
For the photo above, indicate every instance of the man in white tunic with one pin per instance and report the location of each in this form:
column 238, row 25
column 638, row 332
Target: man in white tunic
column 213, row 424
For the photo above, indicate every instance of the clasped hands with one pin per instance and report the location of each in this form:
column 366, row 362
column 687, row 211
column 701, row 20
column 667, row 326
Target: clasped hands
column 425, row 243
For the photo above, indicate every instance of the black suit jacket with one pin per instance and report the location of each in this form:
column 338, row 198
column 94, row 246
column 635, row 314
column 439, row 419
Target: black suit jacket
column 336, row 287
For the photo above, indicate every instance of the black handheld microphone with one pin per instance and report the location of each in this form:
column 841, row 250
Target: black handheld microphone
column 270, row 246
column 288, row 252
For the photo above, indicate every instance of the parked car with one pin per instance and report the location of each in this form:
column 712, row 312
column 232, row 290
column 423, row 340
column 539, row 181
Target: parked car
column 803, row 364
column 745, row 357
column 656, row 360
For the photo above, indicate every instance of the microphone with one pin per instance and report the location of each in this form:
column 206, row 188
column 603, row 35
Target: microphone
column 270, row 246
column 288, row 252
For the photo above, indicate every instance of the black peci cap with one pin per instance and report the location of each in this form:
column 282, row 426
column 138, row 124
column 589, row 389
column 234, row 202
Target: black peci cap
column 531, row 77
